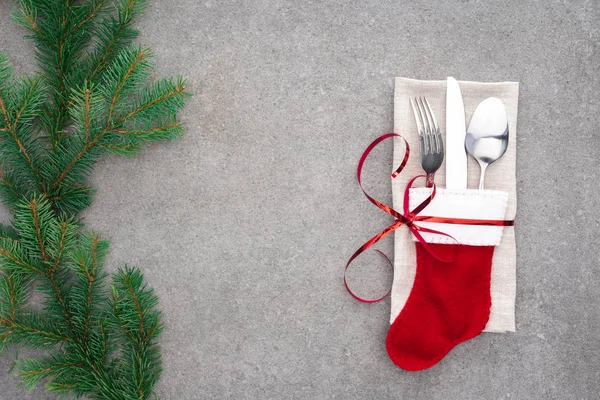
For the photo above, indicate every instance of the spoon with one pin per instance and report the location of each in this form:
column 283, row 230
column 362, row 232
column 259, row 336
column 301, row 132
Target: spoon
column 487, row 135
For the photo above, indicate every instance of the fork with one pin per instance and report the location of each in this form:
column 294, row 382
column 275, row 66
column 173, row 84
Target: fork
column 430, row 139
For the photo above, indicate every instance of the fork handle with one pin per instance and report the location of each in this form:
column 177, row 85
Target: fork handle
column 429, row 179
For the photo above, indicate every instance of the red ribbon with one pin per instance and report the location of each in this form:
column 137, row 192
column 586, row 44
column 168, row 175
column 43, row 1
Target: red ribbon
column 408, row 217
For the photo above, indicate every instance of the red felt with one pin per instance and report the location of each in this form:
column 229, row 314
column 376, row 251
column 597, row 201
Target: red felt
column 448, row 304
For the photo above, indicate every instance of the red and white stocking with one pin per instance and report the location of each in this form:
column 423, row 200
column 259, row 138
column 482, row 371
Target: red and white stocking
column 449, row 302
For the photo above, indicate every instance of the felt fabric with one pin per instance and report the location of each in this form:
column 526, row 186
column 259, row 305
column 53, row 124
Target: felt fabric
column 499, row 176
column 449, row 303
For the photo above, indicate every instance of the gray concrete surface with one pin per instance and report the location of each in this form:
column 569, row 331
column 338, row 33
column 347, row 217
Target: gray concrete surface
column 244, row 226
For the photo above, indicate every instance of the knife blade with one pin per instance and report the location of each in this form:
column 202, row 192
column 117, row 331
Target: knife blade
column 456, row 156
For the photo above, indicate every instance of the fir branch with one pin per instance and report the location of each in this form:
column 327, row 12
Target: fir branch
column 8, row 190
column 10, row 124
column 20, row 101
column 27, row 18
column 136, row 69
column 31, row 330
column 33, row 370
column 86, row 114
column 7, row 232
column 69, row 200
column 92, row 97
column 13, row 293
column 33, row 98
column 87, row 260
column 114, row 34
column 37, row 227
column 125, row 150
column 13, row 258
column 94, row 10
column 60, row 297
column 164, row 97
column 61, row 241
column 133, row 307
column 35, row 216
column 33, row 221
column 167, row 131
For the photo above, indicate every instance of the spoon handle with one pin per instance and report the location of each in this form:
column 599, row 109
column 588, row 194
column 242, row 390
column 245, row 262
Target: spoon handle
column 483, row 167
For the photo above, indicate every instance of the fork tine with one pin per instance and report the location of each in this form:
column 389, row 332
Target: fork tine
column 427, row 126
column 421, row 124
column 418, row 119
column 435, row 131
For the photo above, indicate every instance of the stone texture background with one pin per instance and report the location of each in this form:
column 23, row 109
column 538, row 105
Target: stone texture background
column 244, row 226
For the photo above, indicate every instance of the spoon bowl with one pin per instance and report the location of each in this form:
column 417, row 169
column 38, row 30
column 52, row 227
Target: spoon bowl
column 487, row 135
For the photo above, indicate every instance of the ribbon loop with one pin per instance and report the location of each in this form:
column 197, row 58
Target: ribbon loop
column 407, row 217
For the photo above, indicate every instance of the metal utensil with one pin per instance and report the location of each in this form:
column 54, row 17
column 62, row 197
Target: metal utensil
column 456, row 157
column 487, row 135
column 430, row 140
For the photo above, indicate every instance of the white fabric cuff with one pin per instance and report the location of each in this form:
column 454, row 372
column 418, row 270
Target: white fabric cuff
column 462, row 203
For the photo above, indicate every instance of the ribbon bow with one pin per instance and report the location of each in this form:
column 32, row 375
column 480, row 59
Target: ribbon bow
column 408, row 217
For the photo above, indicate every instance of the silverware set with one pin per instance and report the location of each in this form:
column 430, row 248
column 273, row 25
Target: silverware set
column 485, row 140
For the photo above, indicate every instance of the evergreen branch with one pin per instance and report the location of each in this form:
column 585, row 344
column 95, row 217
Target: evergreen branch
column 51, row 53
column 53, row 128
column 63, row 234
column 149, row 131
column 13, row 258
column 33, row 98
column 154, row 98
column 24, row 103
column 32, row 331
column 126, row 150
column 37, row 229
column 88, row 146
column 136, row 302
column 87, row 114
column 32, row 220
column 19, row 143
column 117, row 34
column 87, row 260
column 104, row 350
column 66, row 367
column 25, row 17
column 33, row 206
column 133, row 307
column 91, row 278
column 61, row 300
column 7, row 232
column 168, row 131
column 13, row 293
column 13, row 194
column 8, row 256
column 94, row 11
column 32, row 371
column 165, row 95
column 14, row 303
column 68, row 51
column 69, row 200
column 139, row 57
column 5, row 115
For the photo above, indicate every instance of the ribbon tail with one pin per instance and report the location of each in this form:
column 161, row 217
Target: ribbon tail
column 363, row 248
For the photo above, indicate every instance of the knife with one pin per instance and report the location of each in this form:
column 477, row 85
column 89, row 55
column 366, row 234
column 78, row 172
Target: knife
column 456, row 156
